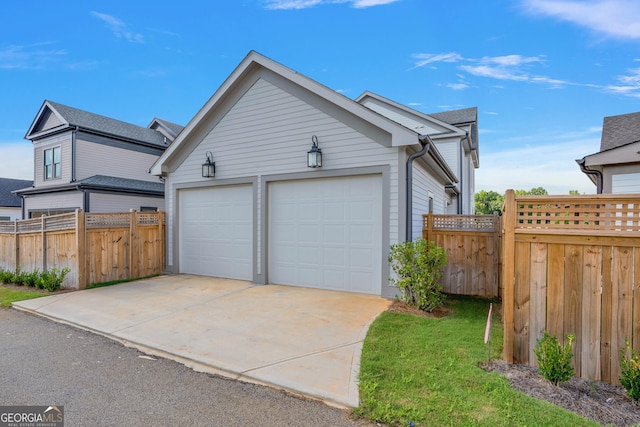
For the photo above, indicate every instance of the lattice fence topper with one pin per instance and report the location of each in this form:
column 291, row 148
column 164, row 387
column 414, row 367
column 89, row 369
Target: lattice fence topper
column 462, row 222
column 603, row 214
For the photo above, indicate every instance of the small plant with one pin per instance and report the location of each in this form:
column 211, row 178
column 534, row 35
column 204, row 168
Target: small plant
column 554, row 360
column 30, row 279
column 630, row 371
column 6, row 276
column 18, row 277
column 418, row 266
column 52, row 280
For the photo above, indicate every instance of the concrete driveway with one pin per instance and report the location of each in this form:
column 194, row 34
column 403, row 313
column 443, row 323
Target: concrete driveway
column 307, row 341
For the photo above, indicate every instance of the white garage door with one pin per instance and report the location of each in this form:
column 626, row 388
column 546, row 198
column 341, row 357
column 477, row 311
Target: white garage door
column 326, row 233
column 216, row 231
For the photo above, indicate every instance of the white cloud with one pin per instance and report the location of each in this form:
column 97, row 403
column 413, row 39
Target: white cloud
column 629, row 85
column 16, row 160
column 119, row 28
column 429, row 58
column 25, row 57
column 305, row 4
column 368, row 3
column 613, row 18
column 519, row 68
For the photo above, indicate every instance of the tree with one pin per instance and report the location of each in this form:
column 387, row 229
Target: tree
column 537, row 191
column 574, row 192
column 488, row 202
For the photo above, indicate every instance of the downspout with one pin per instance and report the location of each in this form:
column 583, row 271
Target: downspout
column 73, row 154
column 426, row 143
column 461, row 193
column 583, row 167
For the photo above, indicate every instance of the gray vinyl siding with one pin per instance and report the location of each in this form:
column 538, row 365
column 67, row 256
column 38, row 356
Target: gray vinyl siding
column 425, row 186
column 12, row 213
column 108, row 203
column 469, row 186
column 65, row 200
column 51, row 122
column 268, row 132
column 450, row 151
column 62, row 140
column 99, row 159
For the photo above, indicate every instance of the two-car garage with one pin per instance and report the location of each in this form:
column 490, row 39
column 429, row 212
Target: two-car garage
column 322, row 233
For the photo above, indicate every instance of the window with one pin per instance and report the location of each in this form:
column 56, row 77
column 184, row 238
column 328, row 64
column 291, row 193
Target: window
column 52, row 165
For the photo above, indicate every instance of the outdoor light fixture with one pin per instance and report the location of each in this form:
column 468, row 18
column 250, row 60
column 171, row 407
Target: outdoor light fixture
column 209, row 166
column 314, row 156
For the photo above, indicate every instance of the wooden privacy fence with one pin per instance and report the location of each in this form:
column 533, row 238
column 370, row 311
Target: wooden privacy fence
column 571, row 265
column 472, row 244
column 95, row 247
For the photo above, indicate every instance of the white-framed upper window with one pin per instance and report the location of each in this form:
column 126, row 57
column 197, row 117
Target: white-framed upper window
column 52, row 163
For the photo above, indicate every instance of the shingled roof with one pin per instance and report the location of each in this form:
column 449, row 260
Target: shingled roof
column 620, row 130
column 73, row 117
column 458, row 117
column 7, row 185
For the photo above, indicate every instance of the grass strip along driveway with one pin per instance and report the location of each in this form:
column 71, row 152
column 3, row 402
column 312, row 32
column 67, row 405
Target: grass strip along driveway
column 425, row 372
column 9, row 295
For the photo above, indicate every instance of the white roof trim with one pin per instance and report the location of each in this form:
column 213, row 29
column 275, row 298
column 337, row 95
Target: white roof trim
column 453, row 129
column 45, row 104
column 400, row 135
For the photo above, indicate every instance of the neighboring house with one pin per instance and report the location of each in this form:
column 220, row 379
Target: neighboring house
column 267, row 217
column 615, row 169
column 84, row 160
column 10, row 204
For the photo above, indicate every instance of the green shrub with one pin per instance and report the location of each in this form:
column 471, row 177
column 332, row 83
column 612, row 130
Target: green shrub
column 418, row 266
column 52, row 280
column 18, row 277
column 630, row 371
column 6, row 276
column 30, row 279
column 554, row 360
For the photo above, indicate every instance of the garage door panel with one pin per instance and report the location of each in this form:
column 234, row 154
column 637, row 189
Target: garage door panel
column 216, row 231
column 332, row 243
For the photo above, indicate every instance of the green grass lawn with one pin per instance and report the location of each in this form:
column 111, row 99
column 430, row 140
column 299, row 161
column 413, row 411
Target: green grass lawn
column 7, row 296
column 425, row 371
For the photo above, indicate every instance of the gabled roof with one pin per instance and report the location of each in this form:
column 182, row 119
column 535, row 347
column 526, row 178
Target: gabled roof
column 104, row 183
column 399, row 135
column 7, row 187
column 439, row 122
column 172, row 129
column 620, row 130
column 69, row 117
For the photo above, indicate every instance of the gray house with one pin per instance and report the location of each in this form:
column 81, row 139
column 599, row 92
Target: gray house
column 10, row 203
column 248, row 198
column 84, row 160
column 615, row 169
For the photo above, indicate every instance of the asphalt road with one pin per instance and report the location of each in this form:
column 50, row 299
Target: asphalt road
column 103, row 383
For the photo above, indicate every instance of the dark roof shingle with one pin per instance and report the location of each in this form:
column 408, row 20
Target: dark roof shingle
column 458, row 117
column 7, row 185
column 106, row 125
column 620, row 130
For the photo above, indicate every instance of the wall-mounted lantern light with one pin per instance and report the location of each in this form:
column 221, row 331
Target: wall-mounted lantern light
column 209, row 166
column 314, row 156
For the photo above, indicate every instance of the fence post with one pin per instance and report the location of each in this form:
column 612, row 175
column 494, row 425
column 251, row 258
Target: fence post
column 43, row 236
column 81, row 254
column 161, row 242
column 429, row 230
column 508, row 272
column 16, row 244
column 134, row 256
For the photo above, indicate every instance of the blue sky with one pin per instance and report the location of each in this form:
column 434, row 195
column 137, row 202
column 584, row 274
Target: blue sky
column 542, row 73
